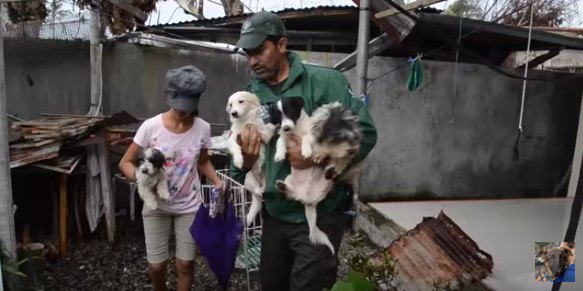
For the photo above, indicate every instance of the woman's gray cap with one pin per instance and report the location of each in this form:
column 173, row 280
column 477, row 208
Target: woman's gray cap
column 184, row 87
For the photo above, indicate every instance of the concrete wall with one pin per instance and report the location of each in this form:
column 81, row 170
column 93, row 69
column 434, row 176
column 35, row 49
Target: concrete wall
column 49, row 81
column 135, row 79
column 418, row 151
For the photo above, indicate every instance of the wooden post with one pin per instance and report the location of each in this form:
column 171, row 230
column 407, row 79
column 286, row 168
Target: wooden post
column 577, row 156
column 76, row 205
column 95, row 53
column 108, row 198
column 63, row 214
column 7, row 233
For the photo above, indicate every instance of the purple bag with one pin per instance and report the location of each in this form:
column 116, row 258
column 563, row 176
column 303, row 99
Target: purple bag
column 218, row 240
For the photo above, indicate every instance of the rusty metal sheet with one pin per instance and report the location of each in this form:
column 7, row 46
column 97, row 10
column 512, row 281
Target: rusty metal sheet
column 438, row 251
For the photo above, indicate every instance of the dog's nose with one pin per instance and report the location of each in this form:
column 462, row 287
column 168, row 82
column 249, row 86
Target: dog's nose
column 234, row 114
column 145, row 171
column 286, row 128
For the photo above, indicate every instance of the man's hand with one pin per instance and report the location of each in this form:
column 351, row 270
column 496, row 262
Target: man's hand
column 294, row 154
column 250, row 142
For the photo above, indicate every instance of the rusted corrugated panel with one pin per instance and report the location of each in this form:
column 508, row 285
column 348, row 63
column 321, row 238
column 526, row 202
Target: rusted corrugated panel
column 437, row 250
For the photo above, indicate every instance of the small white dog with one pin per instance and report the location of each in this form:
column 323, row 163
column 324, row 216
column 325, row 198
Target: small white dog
column 331, row 137
column 243, row 109
column 151, row 177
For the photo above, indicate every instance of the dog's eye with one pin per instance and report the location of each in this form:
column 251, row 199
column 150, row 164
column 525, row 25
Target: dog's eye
column 240, row 101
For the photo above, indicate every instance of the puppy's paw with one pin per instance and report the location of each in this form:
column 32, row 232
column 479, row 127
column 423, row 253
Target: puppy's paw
column 238, row 161
column 250, row 219
column 257, row 191
column 280, row 186
column 152, row 204
column 331, row 173
column 279, row 156
column 164, row 194
column 307, row 152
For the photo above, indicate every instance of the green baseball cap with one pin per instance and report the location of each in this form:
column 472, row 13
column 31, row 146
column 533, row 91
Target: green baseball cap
column 258, row 27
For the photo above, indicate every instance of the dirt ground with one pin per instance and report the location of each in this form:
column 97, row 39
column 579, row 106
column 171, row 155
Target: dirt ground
column 95, row 264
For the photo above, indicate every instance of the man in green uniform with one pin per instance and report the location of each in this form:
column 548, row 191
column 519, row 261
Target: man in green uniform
column 289, row 261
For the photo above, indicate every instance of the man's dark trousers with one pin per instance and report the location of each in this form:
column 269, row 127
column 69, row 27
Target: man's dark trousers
column 289, row 261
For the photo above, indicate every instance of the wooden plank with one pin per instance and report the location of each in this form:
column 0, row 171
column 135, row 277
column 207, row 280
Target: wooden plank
column 410, row 6
column 42, row 136
column 27, row 145
column 130, row 9
column 105, row 176
column 76, row 206
column 63, row 169
column 63, row 214
column 35, row 156
column 55, row 122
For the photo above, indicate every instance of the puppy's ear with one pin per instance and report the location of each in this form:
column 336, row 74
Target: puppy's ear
column 292, row 107
column 274, row 114
column 296, row 102
column 140, row 158
column 158, row 159
column 227, row 109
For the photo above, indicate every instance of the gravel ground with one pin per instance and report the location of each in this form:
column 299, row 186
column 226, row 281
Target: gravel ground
column 94, row 264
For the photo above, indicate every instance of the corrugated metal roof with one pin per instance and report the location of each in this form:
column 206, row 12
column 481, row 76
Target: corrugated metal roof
column 229, row 19
column 437, row 250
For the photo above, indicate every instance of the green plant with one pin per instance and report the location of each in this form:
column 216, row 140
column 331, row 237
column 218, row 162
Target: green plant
column 380, row 270
column 356, row 282
column 11, row 271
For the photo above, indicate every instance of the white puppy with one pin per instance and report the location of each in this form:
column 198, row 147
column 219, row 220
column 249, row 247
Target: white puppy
column 243, row 109
column 151, row 177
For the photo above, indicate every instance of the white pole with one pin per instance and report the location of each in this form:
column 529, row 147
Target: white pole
column 7, row 236
column 362, row 48
column 95, row 60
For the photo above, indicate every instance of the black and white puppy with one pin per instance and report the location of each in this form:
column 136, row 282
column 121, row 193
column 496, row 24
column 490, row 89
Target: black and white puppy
column 243, row 109
column 331, row 138
column 293, row 119
column 151, row 177
column 308, row 186
column 334, row 141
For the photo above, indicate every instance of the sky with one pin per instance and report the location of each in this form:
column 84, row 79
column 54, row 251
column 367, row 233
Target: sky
column 169, row 11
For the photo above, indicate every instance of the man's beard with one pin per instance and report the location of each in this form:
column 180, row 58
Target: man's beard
column 267, row 74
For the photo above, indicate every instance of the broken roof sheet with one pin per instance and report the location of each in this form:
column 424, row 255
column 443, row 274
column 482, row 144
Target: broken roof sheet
column 437, row 250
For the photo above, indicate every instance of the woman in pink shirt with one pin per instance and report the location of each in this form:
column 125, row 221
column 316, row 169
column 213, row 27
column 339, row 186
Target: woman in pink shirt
column 183, row 138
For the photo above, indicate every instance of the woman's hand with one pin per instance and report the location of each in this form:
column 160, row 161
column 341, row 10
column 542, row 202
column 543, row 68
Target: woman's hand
column 127, row 164
column 208, row 170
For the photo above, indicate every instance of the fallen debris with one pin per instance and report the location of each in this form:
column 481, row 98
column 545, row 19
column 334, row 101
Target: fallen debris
column 44, row 138
column 437, row 253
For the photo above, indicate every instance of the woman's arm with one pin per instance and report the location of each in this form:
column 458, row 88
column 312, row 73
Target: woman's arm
column 127, row 164
column 207, row 169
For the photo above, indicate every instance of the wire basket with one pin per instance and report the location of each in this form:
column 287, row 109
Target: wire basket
column 250, row 249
